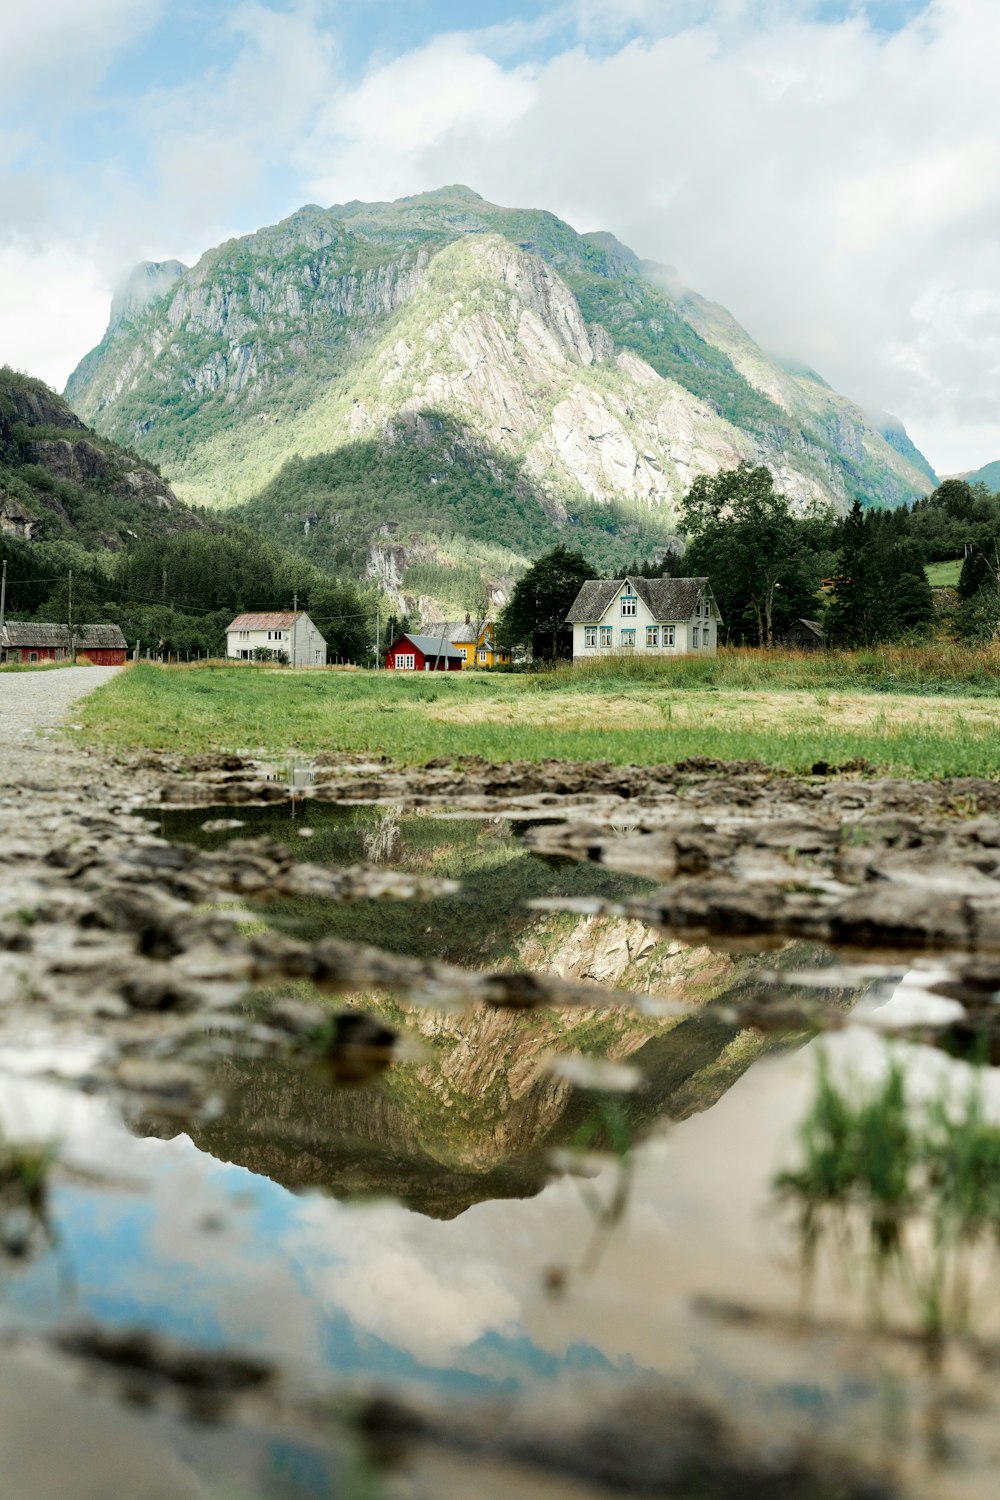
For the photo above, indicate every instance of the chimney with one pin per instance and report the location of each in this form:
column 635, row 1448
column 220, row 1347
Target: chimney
column 468, row 618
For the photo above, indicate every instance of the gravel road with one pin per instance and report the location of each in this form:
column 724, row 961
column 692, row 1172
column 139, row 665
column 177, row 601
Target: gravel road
column 33, row 701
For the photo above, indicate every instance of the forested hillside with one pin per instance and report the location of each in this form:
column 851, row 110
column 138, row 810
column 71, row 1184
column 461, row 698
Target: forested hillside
column 89, row 532
column 59, row 480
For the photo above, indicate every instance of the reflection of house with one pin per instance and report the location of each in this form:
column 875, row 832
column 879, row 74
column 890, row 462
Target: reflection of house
column 26, row 641
column 423, row 653
column 283, row 633
column 653, row 616
column 804, row 635
column 477, row 650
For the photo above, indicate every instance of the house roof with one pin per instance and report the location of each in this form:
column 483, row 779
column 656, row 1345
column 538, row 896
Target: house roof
column 31, row 633
column 812, row 625
column 101, row 638
column 460, row 631
column 667, row 599
column 452, row 630
column 429, row 645
column 281, row 620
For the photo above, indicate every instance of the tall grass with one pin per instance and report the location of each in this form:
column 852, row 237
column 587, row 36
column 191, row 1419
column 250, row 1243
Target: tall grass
column 941, row 668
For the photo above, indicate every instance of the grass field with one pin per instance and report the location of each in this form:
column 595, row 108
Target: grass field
column 790, row 710
column 944, row 574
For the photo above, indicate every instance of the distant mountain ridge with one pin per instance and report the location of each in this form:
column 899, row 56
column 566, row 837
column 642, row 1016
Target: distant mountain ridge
column 989, row 475
column 510, row 379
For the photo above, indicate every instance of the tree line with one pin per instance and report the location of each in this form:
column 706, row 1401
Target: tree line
column 177, row 594
column 861, row 576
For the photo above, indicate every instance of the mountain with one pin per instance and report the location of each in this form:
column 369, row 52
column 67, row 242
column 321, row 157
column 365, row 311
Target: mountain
column 60, row 481
column 989, row 475
column 443, row 384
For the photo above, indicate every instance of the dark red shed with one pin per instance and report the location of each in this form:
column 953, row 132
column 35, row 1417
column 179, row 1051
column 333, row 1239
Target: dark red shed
column 423, row 653
column 101, row 645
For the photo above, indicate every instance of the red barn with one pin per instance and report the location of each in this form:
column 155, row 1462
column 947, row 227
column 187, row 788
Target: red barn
column 423, row 653
column 26, row 641
column 101, row 645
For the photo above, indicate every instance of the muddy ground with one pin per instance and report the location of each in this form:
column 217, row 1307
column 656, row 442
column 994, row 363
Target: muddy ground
column 114, row 969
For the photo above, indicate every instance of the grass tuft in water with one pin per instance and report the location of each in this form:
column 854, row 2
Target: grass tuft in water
column 912, row 1189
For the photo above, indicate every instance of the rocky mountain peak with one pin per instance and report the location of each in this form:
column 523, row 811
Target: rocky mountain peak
column 145, row 284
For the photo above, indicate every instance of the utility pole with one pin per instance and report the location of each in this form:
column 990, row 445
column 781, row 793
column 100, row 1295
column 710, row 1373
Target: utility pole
column 378, row 626
column 163, row 595
column 3, row 596
column 69, row 619
column 295, row 621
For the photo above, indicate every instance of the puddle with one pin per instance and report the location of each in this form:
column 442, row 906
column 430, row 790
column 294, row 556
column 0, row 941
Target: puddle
column 472, row 1221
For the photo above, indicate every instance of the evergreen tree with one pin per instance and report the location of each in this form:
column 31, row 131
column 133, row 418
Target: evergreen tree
column 535, row 616
column 979, row 571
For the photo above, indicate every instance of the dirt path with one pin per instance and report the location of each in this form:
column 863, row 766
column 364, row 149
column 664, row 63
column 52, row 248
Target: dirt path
column 33, row 701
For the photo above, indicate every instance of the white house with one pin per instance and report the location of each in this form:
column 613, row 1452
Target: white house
column 651, row 616
column 294, row 634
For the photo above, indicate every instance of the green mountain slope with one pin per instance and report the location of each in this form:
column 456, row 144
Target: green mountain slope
column 989, row 475
column 60, row 481
column 455, row 369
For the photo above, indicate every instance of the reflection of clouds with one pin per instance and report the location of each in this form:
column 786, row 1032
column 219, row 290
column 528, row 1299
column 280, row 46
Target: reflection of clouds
column 412, row 1305
column 208, row 1250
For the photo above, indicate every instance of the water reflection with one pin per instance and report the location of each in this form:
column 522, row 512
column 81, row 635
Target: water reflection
column 415, row 1229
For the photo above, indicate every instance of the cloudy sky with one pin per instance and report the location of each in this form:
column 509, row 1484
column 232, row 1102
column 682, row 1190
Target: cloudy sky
column 827, row 169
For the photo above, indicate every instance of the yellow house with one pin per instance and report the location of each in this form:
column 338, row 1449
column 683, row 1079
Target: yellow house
column 476, row 651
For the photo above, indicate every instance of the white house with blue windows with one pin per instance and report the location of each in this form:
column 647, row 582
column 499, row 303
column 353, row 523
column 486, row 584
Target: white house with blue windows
column 651, row 616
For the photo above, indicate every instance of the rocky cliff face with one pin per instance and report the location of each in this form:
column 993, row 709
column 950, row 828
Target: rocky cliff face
column 592, row 377
column 57, row 477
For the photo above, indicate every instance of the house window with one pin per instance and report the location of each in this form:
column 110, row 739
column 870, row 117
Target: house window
column 590, row 636
column 482, row 656
column 406, row 661
column 694, row 636
column 607, row 635
column 668, row 635
column 628, row 637
column 32, row 655
column 652, row 635
column 628, row 604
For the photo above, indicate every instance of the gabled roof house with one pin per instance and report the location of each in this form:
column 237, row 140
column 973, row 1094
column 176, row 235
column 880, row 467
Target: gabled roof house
column 288, row 633
column 663, row 616
column 424, row 653
column 477, row 649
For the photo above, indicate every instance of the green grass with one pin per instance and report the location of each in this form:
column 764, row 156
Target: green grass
column 944, row 574
column 579, row 716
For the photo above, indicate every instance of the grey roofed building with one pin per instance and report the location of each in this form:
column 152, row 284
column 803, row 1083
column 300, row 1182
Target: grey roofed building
column 667, row 599
column 431, row 645
column 101, row 638
column 36, row 636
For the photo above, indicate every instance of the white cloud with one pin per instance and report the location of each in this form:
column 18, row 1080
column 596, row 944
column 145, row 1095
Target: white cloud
column 62, row 46
column 53, row 308
column 835, row 187
column 434, row 101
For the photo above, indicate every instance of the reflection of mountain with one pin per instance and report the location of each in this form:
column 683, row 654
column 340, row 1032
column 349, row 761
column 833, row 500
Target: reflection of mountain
column 476, row 1115
column 477, row 1119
